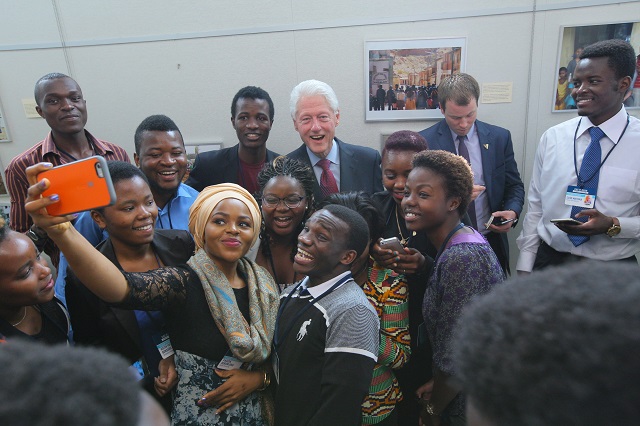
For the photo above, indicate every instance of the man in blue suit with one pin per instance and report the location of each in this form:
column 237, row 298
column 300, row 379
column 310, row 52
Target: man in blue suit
column 316, row 114
column 498, row 189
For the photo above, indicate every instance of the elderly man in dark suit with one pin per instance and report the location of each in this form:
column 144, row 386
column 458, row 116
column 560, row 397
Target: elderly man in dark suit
column 498, row 189
column 339, row 166
column 251, row 116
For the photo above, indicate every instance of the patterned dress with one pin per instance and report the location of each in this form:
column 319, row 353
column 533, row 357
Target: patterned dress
column 467, row 267
column 388, row 294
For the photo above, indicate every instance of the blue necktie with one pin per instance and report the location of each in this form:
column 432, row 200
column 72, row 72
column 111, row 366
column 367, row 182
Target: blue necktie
column 590, row 169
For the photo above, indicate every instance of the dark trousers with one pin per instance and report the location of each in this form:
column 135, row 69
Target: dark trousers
column 502, row 252
column 548, row 256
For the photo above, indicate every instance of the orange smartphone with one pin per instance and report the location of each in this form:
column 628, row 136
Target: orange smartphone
column 81, row 185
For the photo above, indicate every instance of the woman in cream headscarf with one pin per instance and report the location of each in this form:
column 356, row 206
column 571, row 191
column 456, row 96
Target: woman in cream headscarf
column 220, row 308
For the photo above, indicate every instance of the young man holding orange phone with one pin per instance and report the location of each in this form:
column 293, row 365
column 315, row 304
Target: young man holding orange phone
column 60, row 102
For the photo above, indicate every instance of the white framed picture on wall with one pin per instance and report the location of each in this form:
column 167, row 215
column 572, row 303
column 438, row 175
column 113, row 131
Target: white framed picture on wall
column 401, row 76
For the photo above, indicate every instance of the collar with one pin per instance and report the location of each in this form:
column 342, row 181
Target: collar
column 334, row 154
column 325, row 286
column 472, row 130
column 49, row 146
column 612, row 128
column 182, row 191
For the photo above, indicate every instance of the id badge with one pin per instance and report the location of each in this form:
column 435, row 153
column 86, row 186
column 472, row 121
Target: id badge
column 275, row 363
column 580, row 197
column 229, row 362
column 163, row 344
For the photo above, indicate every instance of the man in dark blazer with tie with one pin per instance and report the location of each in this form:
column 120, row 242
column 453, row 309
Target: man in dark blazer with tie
column 316, row 114
column 251, row 116
column 498, row 189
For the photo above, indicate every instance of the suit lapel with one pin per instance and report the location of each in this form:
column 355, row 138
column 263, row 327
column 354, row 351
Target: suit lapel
column 230, row 166
column 347, row 167
column 487, row 151
column 445, row 136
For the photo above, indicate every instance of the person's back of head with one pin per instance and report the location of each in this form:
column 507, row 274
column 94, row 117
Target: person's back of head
column 61, row 385
column 460, row 89
column 557, row 347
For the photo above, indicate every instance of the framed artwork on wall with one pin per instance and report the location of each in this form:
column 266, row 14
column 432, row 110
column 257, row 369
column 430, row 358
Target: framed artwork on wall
column 572, row 42
column 4, row 133
column 195, row 148
column 401, row 76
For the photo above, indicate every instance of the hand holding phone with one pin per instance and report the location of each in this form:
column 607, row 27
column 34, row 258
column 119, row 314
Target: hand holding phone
column 391, row 244
column 567, row 221
column 81, row 185
column 497, row 220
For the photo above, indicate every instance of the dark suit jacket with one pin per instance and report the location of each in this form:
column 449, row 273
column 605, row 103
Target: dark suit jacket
column 505, row 189
column 214, row 167
column 96, row 323
column 359, row 168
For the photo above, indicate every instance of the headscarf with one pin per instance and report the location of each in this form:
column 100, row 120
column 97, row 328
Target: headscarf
column 208, row 199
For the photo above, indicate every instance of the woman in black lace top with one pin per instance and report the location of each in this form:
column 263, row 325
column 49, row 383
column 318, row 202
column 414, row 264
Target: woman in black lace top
column 220, row 308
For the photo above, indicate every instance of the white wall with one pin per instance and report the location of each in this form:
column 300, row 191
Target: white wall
column 187, row 60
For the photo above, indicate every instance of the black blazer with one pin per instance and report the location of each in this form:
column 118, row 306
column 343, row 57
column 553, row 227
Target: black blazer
column 96, row 323
column 359, row 168
column 505, row 189
column 214, row 167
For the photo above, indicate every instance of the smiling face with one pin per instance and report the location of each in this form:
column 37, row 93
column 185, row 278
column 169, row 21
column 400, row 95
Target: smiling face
column 460, row 118
column 130, row 220
column 61, row 104
column 597, row 92
column 25, row 278
column 162, row 159
column 252, row 122
column 322, row 248
column 316, row 123
column 229, row 232
column 396, row 166
column 425, row 205
column 281, row 219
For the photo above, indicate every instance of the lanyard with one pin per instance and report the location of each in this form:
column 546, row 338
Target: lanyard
column 276, row 340
column 581, row 181
column 446, row 241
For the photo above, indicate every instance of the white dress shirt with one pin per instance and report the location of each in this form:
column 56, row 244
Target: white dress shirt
column 618, row 192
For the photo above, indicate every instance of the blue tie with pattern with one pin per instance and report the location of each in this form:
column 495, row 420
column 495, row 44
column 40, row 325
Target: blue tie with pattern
column 589, row 176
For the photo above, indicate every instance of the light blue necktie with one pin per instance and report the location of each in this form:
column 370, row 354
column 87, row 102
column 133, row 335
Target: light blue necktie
column 590, row 169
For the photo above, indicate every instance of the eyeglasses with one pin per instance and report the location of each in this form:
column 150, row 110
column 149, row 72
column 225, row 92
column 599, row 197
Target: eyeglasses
column 291, row 201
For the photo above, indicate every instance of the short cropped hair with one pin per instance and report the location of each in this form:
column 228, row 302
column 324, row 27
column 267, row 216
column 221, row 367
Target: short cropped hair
column 121, row 170
column 405, row 140
column 455, row 172
column 358, row 236
column 44, row 385
column 155, row 123
column 562, row 69
column 459, row 89
column 557, row 347
column 252, row 92
column 313, row 88
column 620, row 54
column 359, row 202
column 46, row 77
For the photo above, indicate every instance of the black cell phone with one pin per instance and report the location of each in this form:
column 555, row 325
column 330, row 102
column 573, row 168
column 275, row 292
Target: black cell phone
column 497, row 220
column 567, row 221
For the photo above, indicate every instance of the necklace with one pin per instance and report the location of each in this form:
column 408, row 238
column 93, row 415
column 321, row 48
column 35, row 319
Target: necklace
column 403, row 240
column 23, row 317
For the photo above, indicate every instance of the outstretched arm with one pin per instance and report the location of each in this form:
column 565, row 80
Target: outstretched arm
column 102, row 277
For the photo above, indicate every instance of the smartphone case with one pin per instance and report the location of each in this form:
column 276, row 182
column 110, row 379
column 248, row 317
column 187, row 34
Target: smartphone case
column 81, row 185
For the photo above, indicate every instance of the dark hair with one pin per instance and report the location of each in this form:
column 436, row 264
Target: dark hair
column 455, row 172
column 405, row 140
column 154, row 123
column 46, row 77
column 563, row 69
column 557, row 347
column 358, row 236
column 359, row 202
column 620, row 54
column 458, row 88
column 70, row 385
column 121, row 170
column 252, row 92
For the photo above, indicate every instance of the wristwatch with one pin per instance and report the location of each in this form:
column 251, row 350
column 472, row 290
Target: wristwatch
column 615, row 228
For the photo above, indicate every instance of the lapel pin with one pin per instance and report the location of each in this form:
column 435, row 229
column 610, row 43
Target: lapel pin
column 486, row 145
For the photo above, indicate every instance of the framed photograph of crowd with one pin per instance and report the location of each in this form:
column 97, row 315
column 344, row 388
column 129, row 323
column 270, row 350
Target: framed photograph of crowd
column 572, row 42
column 4, row 133
column 401, row 76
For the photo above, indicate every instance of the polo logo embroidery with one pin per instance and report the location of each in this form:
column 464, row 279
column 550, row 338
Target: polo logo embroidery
column 303, row 329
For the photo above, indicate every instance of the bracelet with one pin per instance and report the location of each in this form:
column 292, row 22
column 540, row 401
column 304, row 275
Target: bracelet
column 266, row 381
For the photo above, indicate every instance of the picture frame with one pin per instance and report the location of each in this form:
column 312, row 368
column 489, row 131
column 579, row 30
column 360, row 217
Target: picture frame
column 4, row 131
column 195, row 148
column 572, row 40
column 416, row 66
